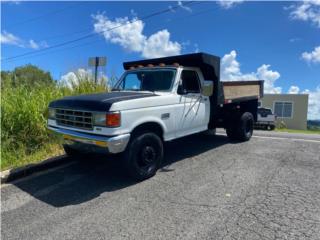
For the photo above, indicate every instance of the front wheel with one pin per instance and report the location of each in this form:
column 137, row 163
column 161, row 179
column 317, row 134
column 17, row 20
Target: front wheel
column 143, row 155
column 72, row 153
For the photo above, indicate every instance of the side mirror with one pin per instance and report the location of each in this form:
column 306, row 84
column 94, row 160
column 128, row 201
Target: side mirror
column 207, row 88
column 181, row 90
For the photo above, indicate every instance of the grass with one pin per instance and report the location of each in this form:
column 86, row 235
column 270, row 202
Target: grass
column 297, row 131
column 21, row 158
column 24, row 135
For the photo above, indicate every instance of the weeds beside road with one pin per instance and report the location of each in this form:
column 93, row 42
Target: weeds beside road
column 24, row 135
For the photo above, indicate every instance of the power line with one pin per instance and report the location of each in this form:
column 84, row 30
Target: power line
column 58, row 50
column 85, row 30
column 67, row 34
column 96, row 41
column 94, row 34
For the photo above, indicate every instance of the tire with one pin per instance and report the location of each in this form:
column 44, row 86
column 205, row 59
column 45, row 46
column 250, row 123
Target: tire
column 143, row 155
column 245, row 128
column 272, row 127
column 72, row 153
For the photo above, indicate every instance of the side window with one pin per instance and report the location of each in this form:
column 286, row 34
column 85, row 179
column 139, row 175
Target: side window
column 264, row 112
column 131, row 82
column 190, row 81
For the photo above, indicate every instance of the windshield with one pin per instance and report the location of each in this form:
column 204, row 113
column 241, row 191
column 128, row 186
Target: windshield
column 147, row 80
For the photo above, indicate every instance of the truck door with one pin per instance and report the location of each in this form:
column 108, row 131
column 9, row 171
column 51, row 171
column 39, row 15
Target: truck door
column 193, row 112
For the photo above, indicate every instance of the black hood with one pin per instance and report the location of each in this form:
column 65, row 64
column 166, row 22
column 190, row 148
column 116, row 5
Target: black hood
column 96, row 102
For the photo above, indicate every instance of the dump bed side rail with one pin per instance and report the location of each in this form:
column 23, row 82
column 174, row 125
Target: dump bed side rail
column 239, row 91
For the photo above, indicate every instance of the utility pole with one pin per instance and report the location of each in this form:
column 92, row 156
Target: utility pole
column 96, row 70
column 96, row 62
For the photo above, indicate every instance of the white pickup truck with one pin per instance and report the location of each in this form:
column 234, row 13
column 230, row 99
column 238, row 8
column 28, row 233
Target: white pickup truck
column 266, row 119
column 156, row 100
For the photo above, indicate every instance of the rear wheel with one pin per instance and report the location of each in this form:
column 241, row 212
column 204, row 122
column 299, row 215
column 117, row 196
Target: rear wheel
column 246, row 123
column 143, row 155
column 243, row 129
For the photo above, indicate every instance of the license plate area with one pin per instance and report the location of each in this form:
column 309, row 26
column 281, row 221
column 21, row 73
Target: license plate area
column 85, row 141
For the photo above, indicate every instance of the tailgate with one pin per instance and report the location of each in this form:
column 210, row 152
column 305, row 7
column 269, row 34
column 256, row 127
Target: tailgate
column 242, row 90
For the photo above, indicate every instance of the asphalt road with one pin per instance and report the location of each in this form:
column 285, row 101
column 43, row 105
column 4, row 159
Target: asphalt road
column 209, row 188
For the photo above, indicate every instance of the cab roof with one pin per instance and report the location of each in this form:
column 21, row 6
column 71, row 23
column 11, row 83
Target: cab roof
column 209, row 64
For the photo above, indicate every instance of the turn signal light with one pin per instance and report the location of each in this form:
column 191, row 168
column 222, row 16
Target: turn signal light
column 113, row 119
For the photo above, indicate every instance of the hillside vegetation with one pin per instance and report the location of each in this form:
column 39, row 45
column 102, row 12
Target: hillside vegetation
column 24, row 105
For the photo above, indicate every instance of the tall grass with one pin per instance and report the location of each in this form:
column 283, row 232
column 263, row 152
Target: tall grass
column 24, row 135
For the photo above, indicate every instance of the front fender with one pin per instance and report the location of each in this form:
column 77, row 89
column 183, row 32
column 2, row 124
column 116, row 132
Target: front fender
column 132, row 119
column 150, row 119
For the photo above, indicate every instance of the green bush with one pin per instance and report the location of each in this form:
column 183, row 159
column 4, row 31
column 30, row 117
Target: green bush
column 24, row 117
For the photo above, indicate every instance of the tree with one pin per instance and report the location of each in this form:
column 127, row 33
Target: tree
column 28, row 76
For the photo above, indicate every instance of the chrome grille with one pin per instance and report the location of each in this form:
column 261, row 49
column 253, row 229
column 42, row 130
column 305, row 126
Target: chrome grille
column 74, row 118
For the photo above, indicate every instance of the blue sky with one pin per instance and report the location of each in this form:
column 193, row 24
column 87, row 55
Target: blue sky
column 277, row 41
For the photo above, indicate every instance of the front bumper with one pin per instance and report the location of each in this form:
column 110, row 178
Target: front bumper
column 90, row 142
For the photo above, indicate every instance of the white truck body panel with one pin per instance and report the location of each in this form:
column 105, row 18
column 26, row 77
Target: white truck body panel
column 268, row 118
column 178, row 115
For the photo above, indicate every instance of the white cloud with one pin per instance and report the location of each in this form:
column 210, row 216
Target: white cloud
column 11, row 39
column 294, row 90
column 73, row 78
column 33, row 44
column 293, row 40
column 130, row 36
column 230, row 71
column 159, row 45
column 196, row 48
column 313, row 105
column 313, row 57
column 307, row 11
column 180, row 4
column 229, row 4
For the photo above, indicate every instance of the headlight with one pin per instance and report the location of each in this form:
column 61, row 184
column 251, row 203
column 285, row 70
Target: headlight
column 111, row 119
column 99, row 119
column 52, row 113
